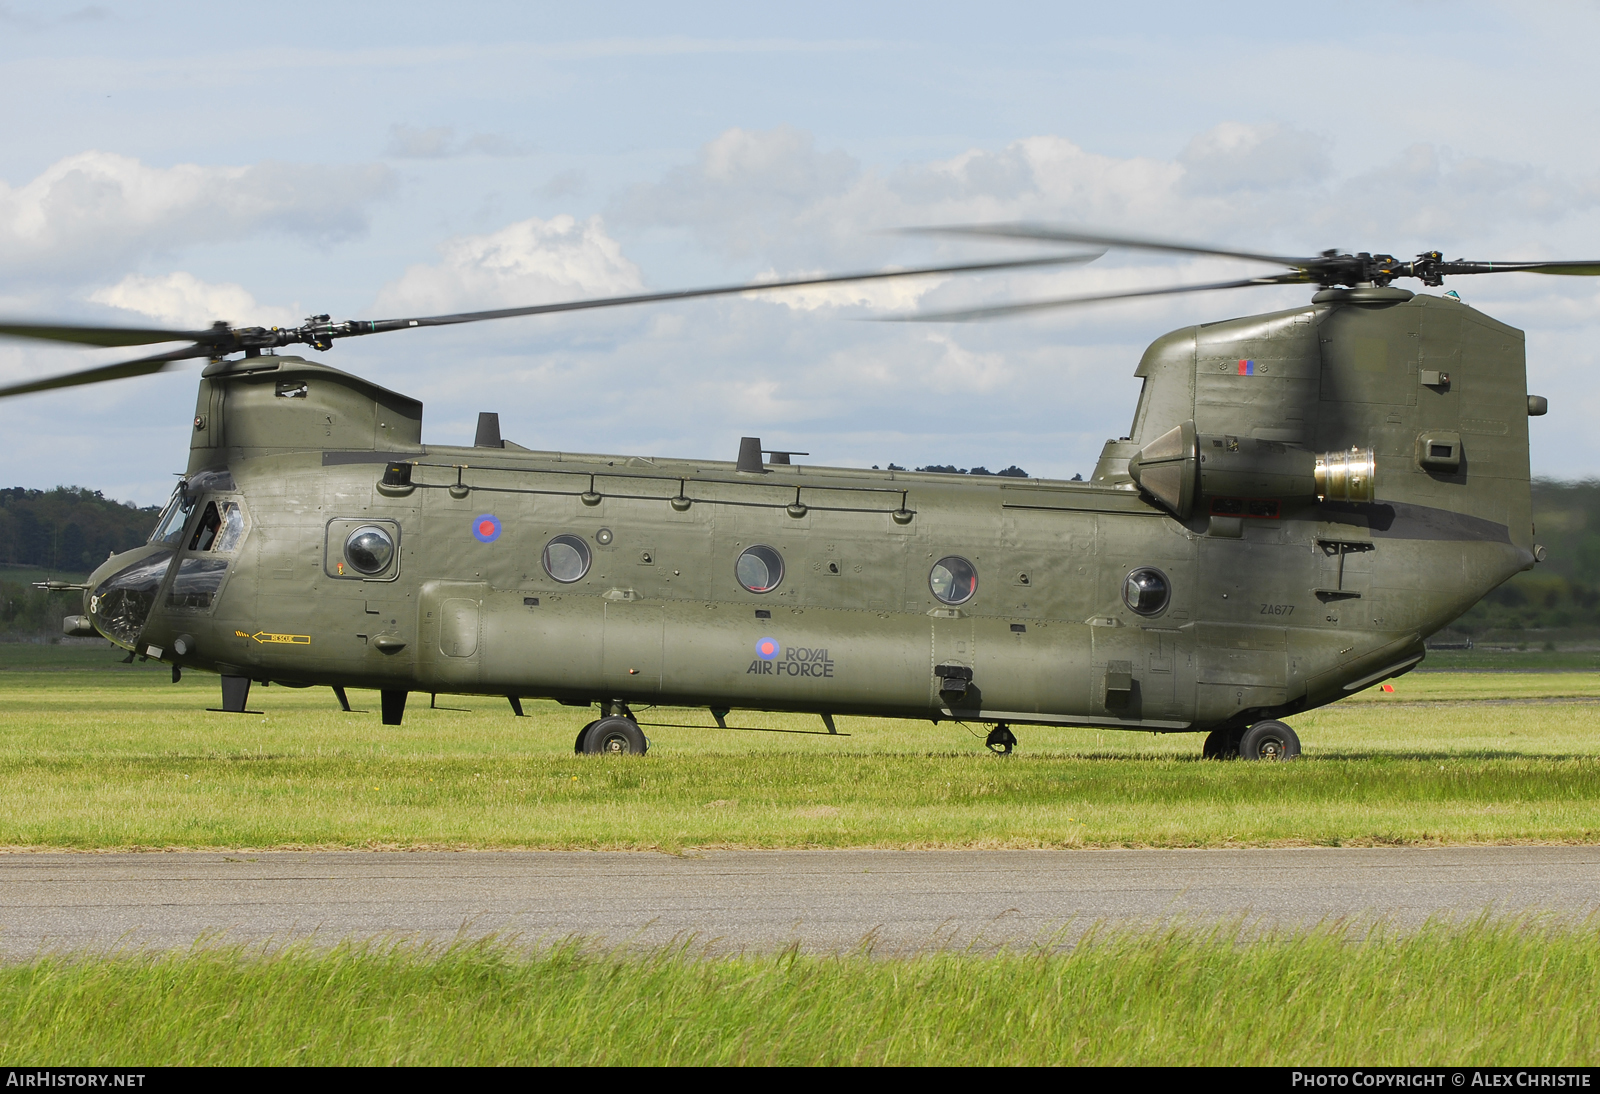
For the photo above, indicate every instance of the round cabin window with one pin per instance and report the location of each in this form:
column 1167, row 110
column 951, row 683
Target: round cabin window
column 759, row 569
column 369, row 549
column 953, row 580
column 1146, row 591
column 566, row 558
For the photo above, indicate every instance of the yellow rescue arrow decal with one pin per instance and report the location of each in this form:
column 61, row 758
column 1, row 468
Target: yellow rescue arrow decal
column 266, row 637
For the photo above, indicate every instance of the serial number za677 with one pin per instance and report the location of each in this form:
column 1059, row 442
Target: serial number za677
column 1277, row 609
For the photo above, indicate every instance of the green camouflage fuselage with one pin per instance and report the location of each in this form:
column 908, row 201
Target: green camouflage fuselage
column 1275, row 605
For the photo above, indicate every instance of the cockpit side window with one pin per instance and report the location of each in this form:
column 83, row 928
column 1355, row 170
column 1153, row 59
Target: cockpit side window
column 201, row 573
column 205, row 533
column 232, row 529
column 220, row 528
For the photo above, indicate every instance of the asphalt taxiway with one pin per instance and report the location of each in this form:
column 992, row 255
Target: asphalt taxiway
column 758, row 900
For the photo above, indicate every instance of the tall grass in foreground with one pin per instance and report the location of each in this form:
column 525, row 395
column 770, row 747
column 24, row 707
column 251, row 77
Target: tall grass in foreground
column 1487, row 992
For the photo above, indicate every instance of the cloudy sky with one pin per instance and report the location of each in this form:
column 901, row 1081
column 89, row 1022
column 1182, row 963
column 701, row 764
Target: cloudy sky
column 177, row 163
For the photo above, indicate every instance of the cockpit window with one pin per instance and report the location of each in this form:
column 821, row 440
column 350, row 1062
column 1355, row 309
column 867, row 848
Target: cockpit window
column 220, row 529
column 169, row 529
column 205, row 533
column 232, row 530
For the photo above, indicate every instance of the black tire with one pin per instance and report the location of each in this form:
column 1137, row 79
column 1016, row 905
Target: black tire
column 1221, row 744
column 577, row 746
column 1001, row 740
column 615, row 736
column 1269, row 740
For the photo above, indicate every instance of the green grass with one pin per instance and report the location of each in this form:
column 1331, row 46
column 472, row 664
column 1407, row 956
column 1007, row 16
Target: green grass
column 119, row 757
column 1472, row 686
column 1511, row 660
column 1482, row 993
column 99, row 755
column 96, row 656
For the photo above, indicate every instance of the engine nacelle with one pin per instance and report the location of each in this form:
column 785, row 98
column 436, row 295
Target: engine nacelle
column 1181, row 466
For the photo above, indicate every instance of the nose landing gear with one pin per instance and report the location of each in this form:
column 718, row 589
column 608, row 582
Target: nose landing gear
column 1001, row 740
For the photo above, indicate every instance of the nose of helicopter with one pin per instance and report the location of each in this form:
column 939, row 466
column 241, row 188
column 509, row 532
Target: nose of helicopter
column 122, row 591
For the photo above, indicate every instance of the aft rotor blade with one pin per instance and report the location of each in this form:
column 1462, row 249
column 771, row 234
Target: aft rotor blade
column 1045, row 233
column 1001, row 311
column 102, row 336
column 378, row 326
column 144, row 366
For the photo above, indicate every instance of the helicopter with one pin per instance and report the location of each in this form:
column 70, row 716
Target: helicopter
column 1303, row 497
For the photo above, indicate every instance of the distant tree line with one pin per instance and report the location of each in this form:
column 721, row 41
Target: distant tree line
column 65, row 532
column 29, row 613
column 1012, row 472
column 1563, row 591
column 68, row 529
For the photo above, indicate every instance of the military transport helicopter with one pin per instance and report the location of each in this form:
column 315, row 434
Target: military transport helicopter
column 1303, row 497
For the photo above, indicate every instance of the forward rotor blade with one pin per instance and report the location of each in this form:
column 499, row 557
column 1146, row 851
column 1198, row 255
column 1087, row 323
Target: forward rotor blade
column 378, row 326
column 1002, row 310
column 144, row 366
column 1569, row 269
column 102, row 336
column 1046, row 233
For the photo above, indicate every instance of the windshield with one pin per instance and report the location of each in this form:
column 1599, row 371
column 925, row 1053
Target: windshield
column 169, row 529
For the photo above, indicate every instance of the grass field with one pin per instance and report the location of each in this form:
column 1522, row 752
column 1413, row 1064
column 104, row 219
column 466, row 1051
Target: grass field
column 96, row 755
column 1483, row 993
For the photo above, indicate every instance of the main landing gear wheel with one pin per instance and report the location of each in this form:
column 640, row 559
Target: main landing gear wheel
column 615, row 736
column 1001, row 740
column 577, row 746
column 1221, row 744
column 1269, row 740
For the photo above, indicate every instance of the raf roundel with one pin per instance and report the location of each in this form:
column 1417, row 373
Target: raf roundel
column 767, row 649
column 486, row 529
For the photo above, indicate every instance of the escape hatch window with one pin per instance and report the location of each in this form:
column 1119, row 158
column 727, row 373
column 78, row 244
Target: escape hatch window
column 566, row 558
column 759, row 569
column 953, row 580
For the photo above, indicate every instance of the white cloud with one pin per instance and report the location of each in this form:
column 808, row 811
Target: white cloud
column 183, row 300
column 530, row 262
column 747, row 189
column 95, row 211
column 1043, row 392
column 960, row 371
column 440, row 142
column 1254, row 186
column 1232, row 157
